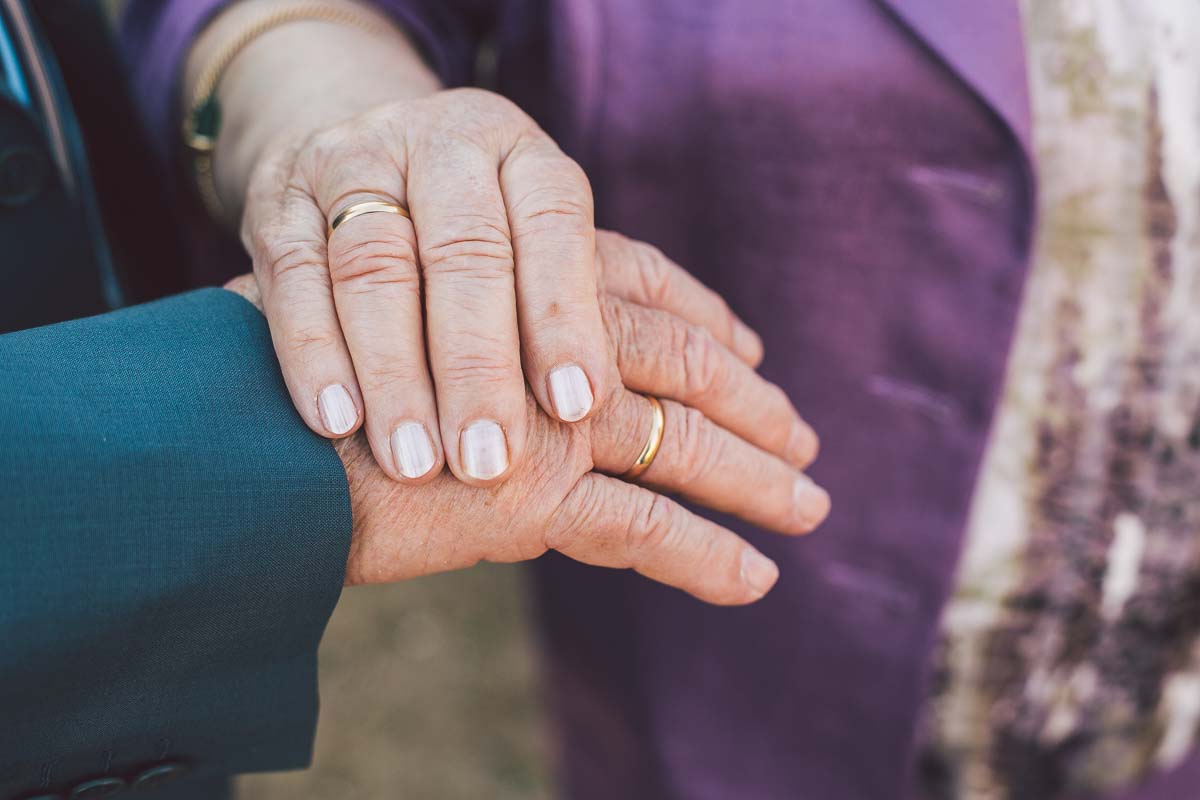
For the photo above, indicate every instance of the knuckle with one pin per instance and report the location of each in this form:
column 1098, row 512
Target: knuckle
column 371, row 263
column 469, row 96
column 380, row 123
column 653, row 269
column 559, row 177
column 567, row 214
column 344, row 154
column 326, row 146
column 284, row 256
column 703, row 368
column 572, row 178
column 388, row 375
column 480, row 370
column 308, row 342
column 475, row 117
column 478, row 246
column 651, row 528
column 699, row 446
column 618, row 322
column 584, row 511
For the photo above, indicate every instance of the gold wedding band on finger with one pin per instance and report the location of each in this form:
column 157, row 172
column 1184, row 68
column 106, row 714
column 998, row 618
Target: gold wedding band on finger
column 658, row 423
column 366, row 207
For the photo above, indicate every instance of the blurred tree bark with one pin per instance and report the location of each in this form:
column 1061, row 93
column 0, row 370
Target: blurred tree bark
column 1071, row 652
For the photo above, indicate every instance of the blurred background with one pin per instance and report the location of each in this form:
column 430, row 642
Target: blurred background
column 429, row 688
column 427, row 691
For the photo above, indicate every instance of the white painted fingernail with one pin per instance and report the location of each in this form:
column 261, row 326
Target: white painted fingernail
column 758, row 571
column 337, row 408
column 413, row 449
column 483, row 449
column 571, row 393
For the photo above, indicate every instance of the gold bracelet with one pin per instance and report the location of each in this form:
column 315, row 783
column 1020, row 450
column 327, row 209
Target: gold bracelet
column 203, row 120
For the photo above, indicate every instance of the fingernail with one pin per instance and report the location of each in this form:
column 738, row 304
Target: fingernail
column 812, row 502
column 758, row 571
column 483, row 449
column 413, row 449
column 803, row 444
column 337, row 409
column 571, row 393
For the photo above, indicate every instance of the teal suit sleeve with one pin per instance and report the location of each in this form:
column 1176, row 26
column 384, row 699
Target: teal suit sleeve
column 172, row 542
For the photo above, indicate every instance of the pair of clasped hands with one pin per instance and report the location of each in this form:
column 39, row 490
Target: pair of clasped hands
column 482, row 362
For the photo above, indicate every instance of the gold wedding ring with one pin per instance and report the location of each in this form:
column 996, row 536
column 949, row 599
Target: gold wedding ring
column 658, row 424
column 366, row 207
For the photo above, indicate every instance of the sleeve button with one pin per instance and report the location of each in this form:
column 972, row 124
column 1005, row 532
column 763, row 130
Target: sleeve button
column 157, row 775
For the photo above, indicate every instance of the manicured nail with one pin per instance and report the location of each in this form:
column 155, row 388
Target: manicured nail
column 812, row 502
column 337, row 409
column 571, row 393
column 803, row 444
column 483, row 449
column 413, row 449
column 758, row 571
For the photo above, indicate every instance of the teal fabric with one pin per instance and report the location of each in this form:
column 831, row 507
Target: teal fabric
column 10, row 70
column 172, row 542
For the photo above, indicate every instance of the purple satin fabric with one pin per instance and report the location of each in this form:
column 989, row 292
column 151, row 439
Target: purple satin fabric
column 863, row 209
column 853, row 176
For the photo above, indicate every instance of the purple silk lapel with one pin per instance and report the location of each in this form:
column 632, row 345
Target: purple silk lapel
column 983, row 42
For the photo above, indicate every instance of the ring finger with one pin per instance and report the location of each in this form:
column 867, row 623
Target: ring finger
column 709, row 465
column 377, row 290
column 658, row 352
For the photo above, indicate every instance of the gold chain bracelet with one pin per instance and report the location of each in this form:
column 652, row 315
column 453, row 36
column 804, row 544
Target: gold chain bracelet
column 203, row 121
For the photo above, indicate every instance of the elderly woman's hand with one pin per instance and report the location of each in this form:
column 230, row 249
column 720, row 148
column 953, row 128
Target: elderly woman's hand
column 497, row 260
column 425, row 326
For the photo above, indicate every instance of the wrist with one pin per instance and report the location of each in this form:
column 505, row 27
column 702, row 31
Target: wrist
column 352, row 451
column 295, row 78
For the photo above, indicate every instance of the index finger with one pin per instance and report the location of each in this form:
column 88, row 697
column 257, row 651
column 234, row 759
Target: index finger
column 640, row 273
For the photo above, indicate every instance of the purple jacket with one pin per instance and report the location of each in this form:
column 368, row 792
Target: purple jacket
column 854, row 176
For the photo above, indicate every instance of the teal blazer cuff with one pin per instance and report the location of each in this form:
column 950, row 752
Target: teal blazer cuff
column 172, row 543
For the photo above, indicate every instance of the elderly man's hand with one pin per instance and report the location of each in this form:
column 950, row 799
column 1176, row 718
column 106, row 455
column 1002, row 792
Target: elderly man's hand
column 732, row 442
column 563, row 498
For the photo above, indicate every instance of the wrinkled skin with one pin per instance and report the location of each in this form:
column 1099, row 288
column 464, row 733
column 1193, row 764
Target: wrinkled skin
column 564, row 498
